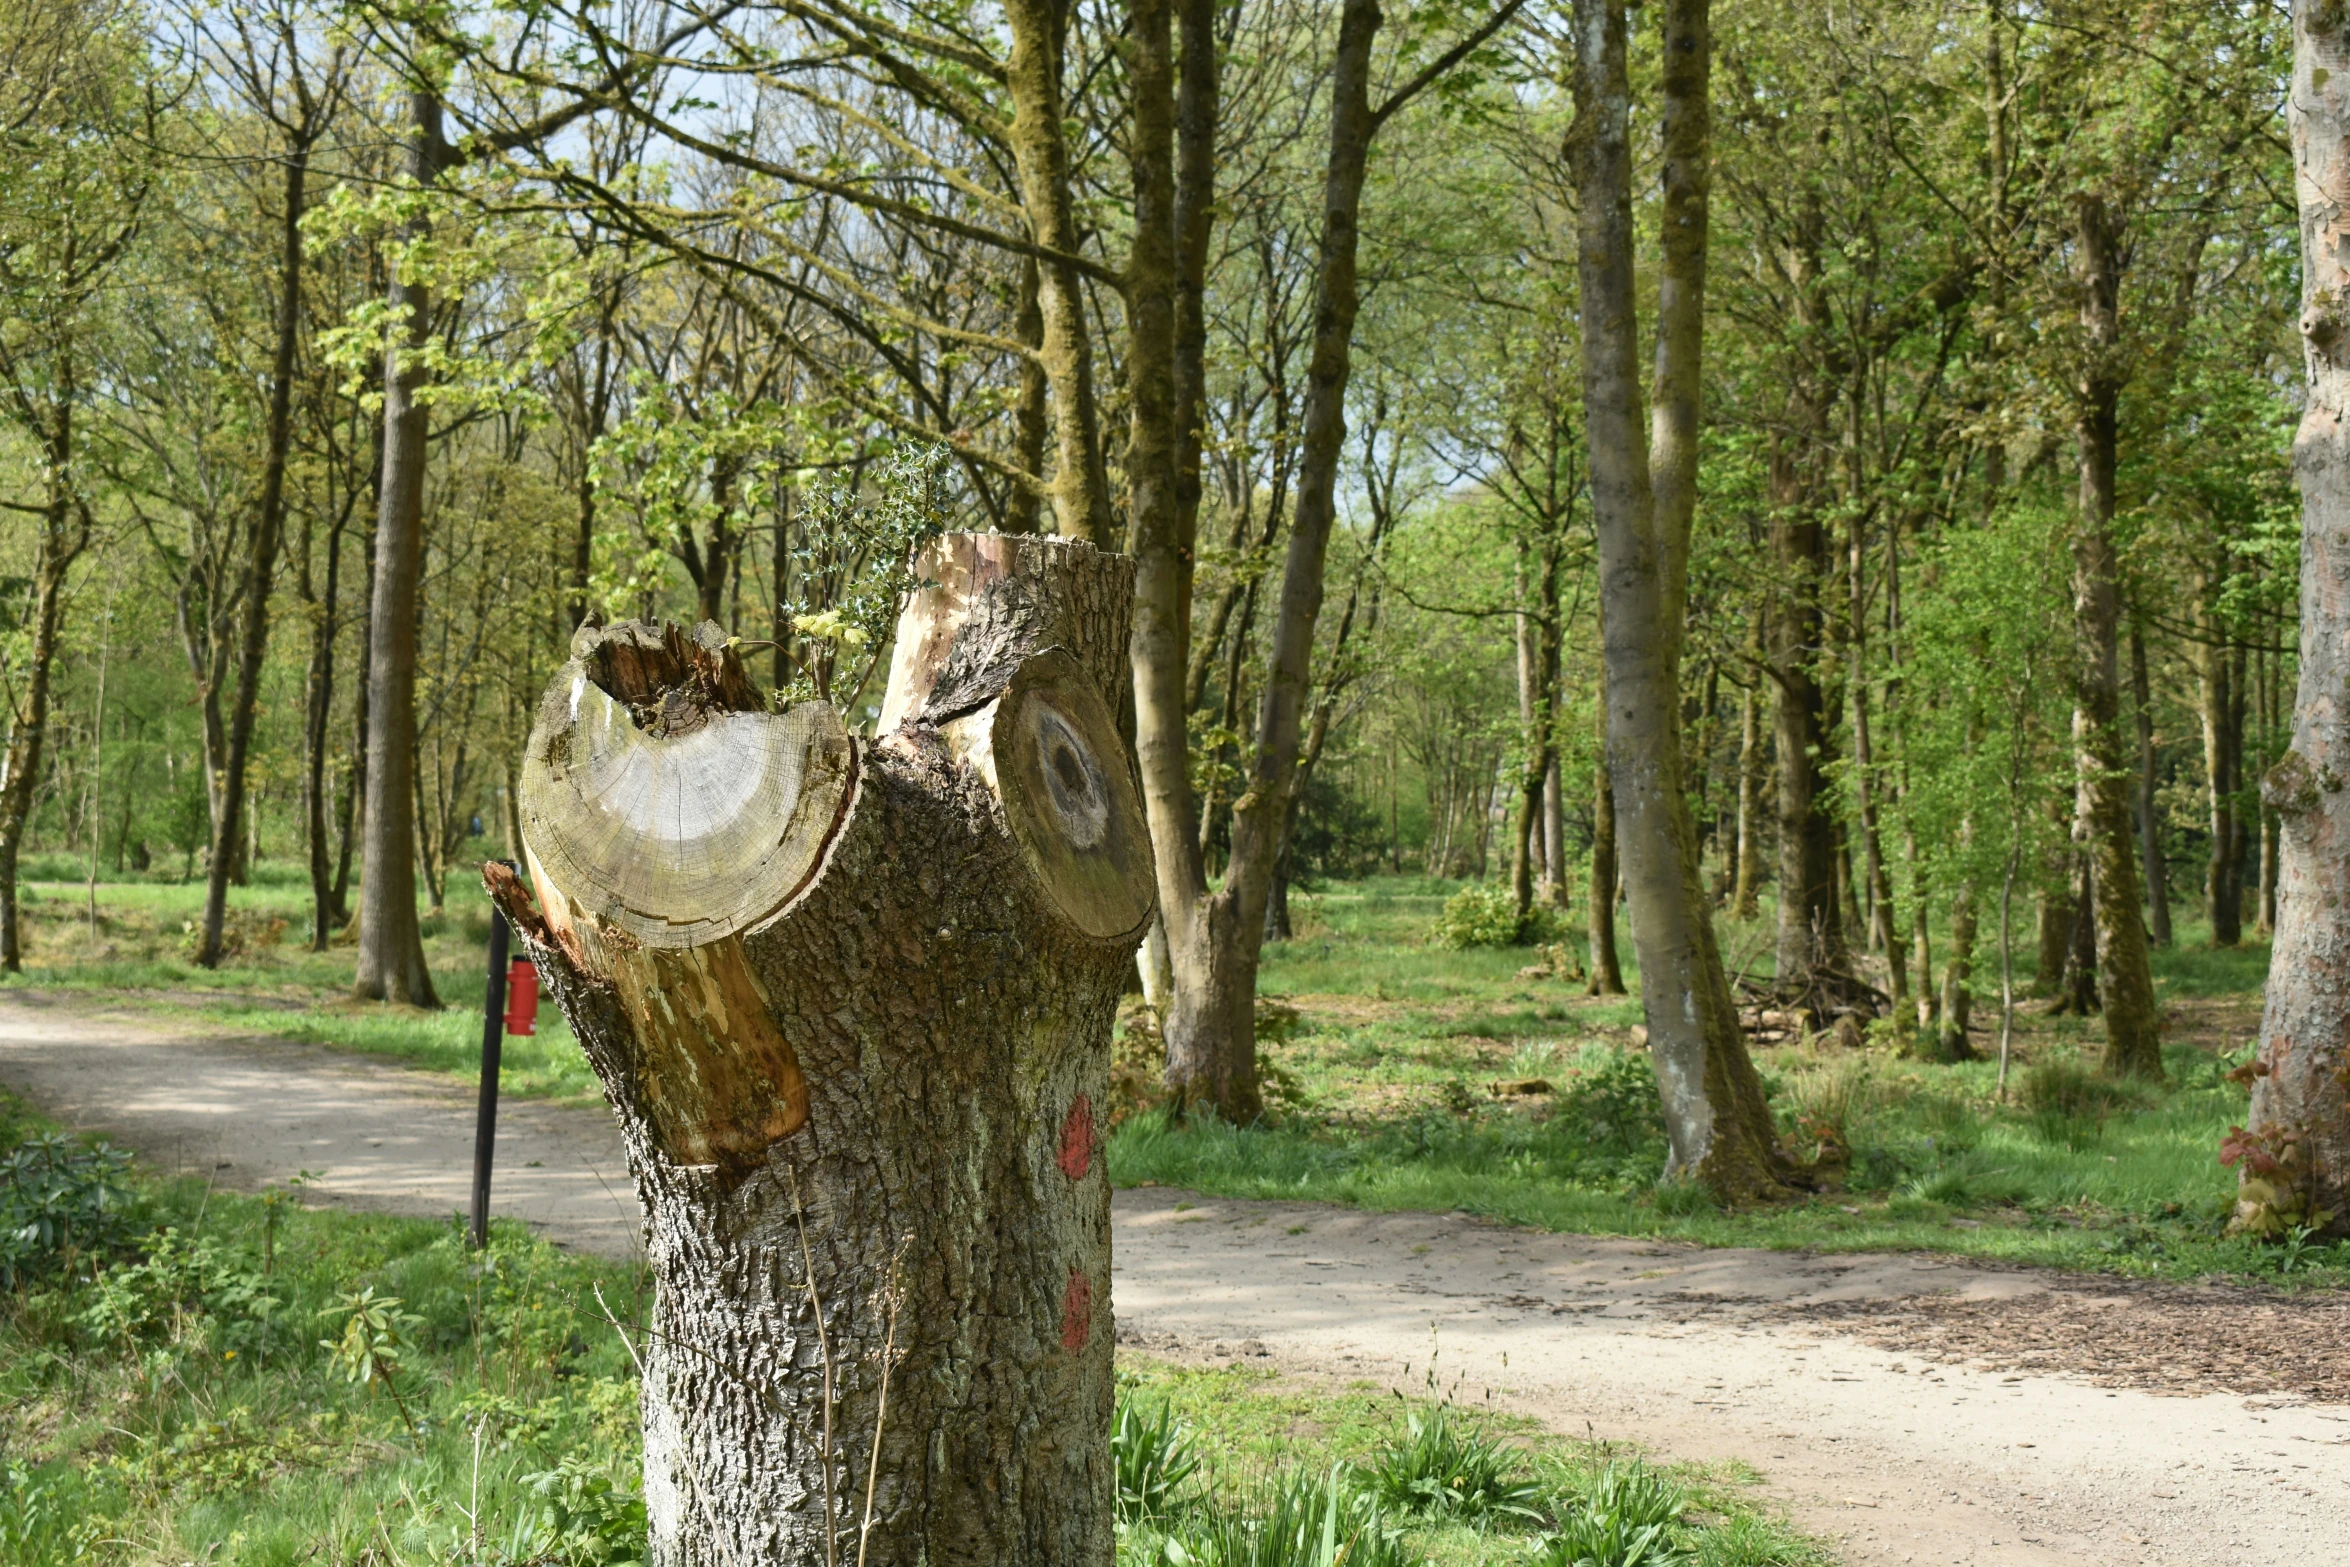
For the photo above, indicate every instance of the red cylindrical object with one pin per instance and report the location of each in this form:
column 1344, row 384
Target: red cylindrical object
column 522, row 997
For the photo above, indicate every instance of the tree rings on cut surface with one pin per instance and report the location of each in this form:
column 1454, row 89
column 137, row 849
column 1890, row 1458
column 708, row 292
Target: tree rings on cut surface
column 1070, row 798
column 683, row 839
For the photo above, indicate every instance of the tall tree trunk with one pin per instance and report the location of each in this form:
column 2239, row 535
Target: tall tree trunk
column 1720, row 1128
column 857, row 1037
column 2223, row 902
column 2305, row 1032
column 2158, row 928
column 318, row 696
column 65, row 533
column 2125, row 978
column 391, row 948
column 1746, row 882
column 1213, row 938
column 260, row 560
column 1032, row 413
column 2270, row 701
column 1884, row 935
column 1040, row 149
column 1811, row 951
column 1607, row 968
column 1958, row 997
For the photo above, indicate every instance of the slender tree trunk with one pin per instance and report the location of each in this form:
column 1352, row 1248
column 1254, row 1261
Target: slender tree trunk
column 1746, row 884
column 1554, row 822
column 2270, row 701
column 857, row 1036
column 1040, row 148
column 2305, row 1032
column 65, row 533
column 260, row 562
column 318, row 695
column 2158, row 929
column 1607, row 970
column 391, row 948
column 2125, row 979
column 2222, row 899
column 1958, row 998
column 1719, row 1125
column 1884, row 935
column 1214, row 938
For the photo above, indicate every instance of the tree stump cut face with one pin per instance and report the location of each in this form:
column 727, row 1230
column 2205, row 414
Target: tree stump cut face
column 660, row 796
column 1053, row 756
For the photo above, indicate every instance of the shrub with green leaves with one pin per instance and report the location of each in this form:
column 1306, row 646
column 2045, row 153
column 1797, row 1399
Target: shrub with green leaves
column 199, row 1292
column 61, row 1199
column 1484, row 915
column 1443, row 1465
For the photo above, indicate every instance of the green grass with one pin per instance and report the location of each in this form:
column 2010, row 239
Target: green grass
column 274, row 985
column 165, row 1401
column 183, row 1411
column 1381, row 1102
column 1380, row 1091
column 1248, row 1425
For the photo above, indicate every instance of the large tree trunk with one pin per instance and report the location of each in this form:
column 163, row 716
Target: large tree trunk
column 1718, row 1122
column 391, row 948
column 855, row 1025
column 2305, row 1033
column 1040, row 149
column 260, row 562
column 2125, row 978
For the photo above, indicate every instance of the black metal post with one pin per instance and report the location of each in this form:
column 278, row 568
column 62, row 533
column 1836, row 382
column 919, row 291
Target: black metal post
column 493, row 1038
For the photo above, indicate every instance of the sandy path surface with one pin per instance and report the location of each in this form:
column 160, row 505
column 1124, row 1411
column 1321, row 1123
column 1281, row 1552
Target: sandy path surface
column 1760, row 1356
column 251, row 1112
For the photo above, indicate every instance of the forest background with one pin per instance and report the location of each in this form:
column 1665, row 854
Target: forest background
column 351, row 357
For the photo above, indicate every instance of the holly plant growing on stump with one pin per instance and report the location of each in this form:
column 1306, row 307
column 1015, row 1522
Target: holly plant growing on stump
column 850, row 1000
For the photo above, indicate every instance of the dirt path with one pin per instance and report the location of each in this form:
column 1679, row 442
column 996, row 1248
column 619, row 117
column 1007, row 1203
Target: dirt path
column 251, row 1112
column 1916, row 1410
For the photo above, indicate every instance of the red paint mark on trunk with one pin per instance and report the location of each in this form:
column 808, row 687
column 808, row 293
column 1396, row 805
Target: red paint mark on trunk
column 1077, row 1312
column 1077, row 1139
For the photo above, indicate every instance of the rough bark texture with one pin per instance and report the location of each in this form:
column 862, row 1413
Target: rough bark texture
column 391, row 947
column 2305, row 1034
column 865, row 1125
column 2125, row 978
column 1719, row 1125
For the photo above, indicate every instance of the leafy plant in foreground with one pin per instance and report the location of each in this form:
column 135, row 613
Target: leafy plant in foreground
column 1295, row 1519
column 60, row 1199
column 1446, row 1467
column 1625, row 1519
column 1154, row 1459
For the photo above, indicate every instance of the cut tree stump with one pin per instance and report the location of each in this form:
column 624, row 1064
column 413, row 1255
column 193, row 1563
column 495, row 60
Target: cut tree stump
column 851, row 1002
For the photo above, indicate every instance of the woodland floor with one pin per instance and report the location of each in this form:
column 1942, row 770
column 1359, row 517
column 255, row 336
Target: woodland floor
column 1910, row 1407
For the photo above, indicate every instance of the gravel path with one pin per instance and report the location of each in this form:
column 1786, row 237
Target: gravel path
column 1913, row 1409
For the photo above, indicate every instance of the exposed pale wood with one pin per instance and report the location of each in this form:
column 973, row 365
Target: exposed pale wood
column 683, row 838
column 1049, row 749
